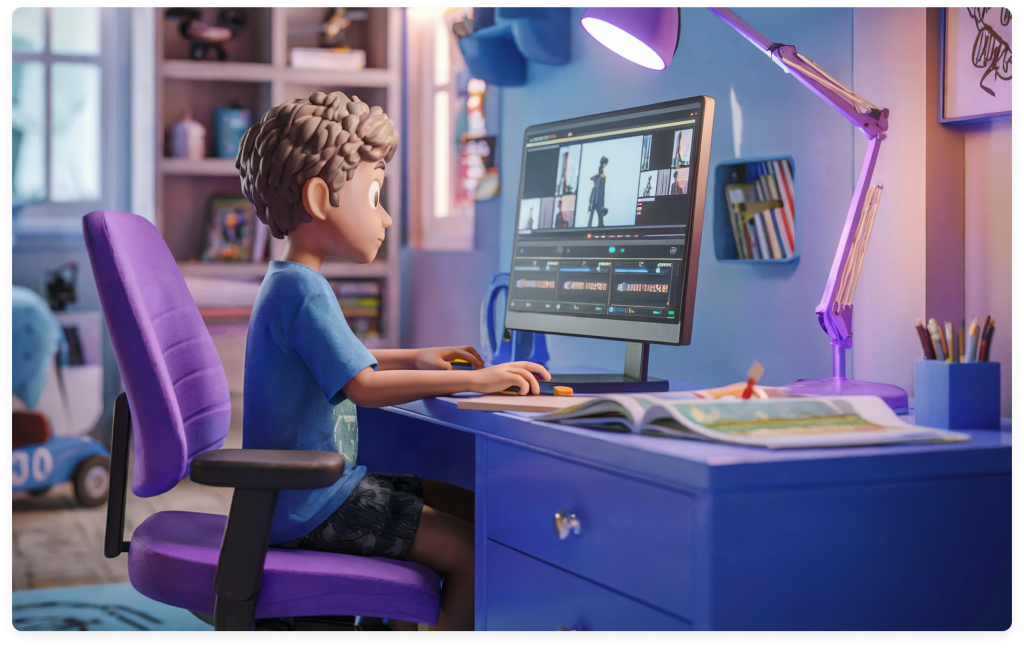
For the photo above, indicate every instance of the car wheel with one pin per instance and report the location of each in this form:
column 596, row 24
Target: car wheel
column 92, row 481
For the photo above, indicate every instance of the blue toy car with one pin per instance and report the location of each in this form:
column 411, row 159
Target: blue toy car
column 55, row 460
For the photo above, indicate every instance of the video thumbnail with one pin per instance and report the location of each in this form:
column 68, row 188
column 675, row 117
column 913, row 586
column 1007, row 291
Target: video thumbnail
column 648, row 184
column 568, row 170
column 609, row 172
column 681, row 147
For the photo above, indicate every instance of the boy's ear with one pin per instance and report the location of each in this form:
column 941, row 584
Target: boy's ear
column 316, row 197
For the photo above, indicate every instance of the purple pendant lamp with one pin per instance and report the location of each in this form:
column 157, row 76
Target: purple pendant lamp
column 648, row 37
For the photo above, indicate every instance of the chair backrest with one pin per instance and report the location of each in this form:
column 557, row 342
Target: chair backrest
column 176, row 387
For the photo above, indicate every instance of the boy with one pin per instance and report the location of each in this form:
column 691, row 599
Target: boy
column 313, row 169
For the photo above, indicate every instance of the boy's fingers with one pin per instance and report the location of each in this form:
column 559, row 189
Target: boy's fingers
column 459, row 354
column 533, row 386
column 533, row 367
column 475, row 353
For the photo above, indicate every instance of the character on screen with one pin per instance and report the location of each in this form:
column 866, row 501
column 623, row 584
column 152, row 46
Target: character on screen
column 313, row 169
column 597, row 196
column 648, row 188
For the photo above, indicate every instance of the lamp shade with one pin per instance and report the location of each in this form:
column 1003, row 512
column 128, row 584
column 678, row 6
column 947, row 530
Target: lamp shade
column 646, row 36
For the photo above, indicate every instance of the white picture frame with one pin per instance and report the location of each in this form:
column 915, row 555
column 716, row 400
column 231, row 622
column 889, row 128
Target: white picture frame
column 976, row 64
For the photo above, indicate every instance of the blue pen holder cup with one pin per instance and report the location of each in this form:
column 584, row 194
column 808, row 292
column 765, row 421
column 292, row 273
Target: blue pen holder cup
column 957, row 395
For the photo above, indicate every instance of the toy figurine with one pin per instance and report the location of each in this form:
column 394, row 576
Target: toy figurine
column 205, row 37
column 313, row 169
column 332, row 31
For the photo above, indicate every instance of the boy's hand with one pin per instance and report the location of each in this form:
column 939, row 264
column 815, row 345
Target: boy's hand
column 503, row 376
column 441, row 357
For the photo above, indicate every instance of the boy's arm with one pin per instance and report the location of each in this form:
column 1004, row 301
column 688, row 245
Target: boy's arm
column 429, row 358
column 371, row 388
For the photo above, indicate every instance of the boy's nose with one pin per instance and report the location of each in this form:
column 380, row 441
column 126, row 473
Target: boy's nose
column 385, row 219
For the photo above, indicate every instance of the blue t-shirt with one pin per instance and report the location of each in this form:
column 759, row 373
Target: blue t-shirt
column 299, row 354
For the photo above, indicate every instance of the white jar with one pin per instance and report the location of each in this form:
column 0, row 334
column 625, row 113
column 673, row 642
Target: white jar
column 187, row 139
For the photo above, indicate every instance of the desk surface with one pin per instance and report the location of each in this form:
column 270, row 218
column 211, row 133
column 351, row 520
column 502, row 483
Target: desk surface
column 721, row 467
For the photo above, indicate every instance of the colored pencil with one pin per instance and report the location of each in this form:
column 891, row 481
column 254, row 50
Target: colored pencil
column 926, row 342
column 963, row 349
column 942, row 342
column 933, row 331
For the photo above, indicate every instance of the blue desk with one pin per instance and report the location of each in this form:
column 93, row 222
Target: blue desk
column 680, row 534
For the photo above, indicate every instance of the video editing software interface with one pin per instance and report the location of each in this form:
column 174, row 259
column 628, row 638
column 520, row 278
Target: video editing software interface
column 604, row 209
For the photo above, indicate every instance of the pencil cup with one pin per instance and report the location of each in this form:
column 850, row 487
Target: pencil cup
column 957, row 395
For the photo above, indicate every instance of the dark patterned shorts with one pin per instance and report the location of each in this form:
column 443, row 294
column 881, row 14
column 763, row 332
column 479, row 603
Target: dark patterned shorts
column 379, row 518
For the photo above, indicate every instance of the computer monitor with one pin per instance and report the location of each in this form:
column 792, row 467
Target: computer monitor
column 608, row 231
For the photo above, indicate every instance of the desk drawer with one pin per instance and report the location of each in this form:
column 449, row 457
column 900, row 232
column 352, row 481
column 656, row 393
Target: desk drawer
column 526, row 594
column 633, row 537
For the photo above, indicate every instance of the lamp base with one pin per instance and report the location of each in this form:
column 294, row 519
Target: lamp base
column 894, row 397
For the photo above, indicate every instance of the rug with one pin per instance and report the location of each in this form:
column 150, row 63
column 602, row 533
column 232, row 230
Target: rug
column 115, row 606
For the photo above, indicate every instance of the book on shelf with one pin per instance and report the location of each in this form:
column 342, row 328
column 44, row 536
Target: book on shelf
column 230, row 229
column 328, row 58
column 736, row 195
column 360, row 302
column 774, row 423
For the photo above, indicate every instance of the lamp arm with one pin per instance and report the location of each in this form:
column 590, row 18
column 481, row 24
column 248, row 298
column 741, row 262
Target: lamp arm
column 867, row 117
column 835, row 314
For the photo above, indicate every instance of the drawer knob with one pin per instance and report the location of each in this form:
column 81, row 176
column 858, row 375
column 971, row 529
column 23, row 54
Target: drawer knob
column 566, row 523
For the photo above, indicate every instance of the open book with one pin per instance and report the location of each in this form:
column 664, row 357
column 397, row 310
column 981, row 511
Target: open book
column 769, row 423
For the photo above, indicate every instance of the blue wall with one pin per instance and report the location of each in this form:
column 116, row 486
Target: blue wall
column 742, row 312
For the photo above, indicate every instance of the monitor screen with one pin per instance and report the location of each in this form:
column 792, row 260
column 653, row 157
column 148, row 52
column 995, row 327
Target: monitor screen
column 609, row 223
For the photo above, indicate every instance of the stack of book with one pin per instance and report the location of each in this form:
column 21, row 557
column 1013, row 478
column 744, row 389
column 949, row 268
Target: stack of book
column 328, row 58
column 360, row 302
column 761, row 211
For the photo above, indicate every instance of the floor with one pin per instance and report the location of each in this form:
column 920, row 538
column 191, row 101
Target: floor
column 57, row 544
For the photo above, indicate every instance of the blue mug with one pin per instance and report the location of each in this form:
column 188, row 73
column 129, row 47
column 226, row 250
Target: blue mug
column 511, row 345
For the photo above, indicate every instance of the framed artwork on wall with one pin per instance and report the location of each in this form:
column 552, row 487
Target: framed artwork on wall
column 976, row 64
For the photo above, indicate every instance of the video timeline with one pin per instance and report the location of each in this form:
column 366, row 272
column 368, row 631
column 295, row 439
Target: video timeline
column 638, row 289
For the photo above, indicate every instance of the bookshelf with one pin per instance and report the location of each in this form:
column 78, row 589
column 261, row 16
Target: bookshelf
column 257, row 76
column 748, row 172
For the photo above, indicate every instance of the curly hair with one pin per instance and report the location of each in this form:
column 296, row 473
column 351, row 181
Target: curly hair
column 325, row 136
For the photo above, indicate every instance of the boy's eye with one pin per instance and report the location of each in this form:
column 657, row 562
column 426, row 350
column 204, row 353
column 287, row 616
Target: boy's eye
column 374, row 194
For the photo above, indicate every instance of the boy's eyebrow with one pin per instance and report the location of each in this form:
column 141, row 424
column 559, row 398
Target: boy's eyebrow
column 380, row 165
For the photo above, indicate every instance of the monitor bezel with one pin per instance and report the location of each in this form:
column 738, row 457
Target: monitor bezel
column 677, row 333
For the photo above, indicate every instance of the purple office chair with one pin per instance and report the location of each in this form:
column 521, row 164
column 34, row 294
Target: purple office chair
column 176, row 410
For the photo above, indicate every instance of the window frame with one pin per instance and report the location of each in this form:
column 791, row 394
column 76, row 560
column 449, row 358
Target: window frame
column 48, row 217
column 427, row 229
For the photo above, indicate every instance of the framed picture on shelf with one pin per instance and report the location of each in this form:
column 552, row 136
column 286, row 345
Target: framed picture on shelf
column 230, row 229
column 976, row 61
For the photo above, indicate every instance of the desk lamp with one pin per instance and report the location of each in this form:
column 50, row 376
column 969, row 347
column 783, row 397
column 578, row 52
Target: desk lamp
column 648, row 37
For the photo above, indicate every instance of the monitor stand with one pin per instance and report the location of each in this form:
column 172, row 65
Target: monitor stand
column 633, row 378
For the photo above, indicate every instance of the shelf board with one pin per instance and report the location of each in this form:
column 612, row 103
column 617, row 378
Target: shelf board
column 266, row 73
column 243, row 270
column 203, row 167
column 218, row 71
column 368, row 78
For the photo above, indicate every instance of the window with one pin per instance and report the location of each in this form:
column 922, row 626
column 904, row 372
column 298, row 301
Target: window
column 65, row 113
column 440, row 216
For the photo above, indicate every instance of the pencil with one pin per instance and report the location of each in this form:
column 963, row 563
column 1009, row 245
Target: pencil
column 954, row 350
column 933, row 331
column 942, row 341
column 926, row 343
column 988, row 340
column 972, row 341
column 963, row 349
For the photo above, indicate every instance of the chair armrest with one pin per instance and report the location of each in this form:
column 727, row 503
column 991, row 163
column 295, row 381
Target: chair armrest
column 267, row 469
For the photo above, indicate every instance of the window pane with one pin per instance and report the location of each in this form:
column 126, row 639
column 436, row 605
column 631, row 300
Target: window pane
column 28, row 29
column 442, row 153
column 75, row 132
column 28, row 143
column 75, row 30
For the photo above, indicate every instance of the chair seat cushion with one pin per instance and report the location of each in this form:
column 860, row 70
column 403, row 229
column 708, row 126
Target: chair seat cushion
column 173, row 558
